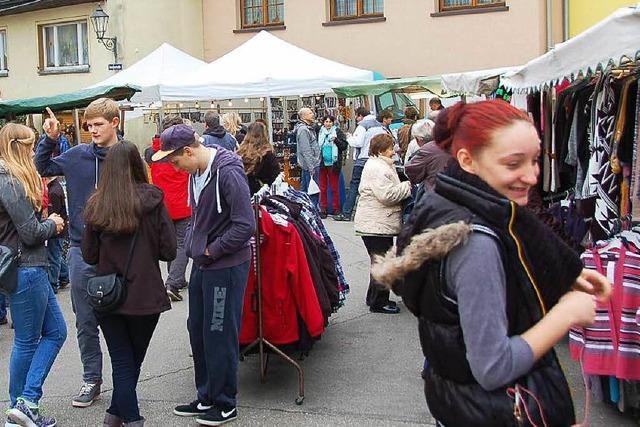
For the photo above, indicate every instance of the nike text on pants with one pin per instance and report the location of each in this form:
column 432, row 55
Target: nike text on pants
column 215, row 311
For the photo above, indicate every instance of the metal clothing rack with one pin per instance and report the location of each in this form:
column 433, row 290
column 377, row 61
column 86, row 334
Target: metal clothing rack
column 265, row 348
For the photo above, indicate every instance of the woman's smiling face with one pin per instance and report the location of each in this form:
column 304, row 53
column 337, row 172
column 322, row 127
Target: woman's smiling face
column 509, row 163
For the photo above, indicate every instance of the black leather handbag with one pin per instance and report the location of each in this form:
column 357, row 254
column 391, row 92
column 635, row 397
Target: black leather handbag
column 108, row 292
column 8, row 269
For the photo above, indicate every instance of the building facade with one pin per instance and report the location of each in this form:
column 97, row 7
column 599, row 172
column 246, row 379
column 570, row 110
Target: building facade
column 48, row 47
column 583, row 14
column 398, row 38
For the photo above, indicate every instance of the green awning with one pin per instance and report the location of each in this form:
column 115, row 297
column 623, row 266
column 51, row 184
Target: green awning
column 378, row 87
column 66, row 101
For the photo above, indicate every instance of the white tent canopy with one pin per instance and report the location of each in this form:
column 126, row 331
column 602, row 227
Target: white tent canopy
column 153, row 70
column 263, row 66
column 472, row 81
column 607, row 42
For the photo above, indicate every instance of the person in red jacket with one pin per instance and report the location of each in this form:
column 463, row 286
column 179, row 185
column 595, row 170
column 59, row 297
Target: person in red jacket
column 174, row 183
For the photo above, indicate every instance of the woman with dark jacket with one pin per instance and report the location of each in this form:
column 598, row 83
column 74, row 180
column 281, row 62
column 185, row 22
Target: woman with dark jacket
column 40, row 329
column 125, row 212
column 493, row 288
column 260, row 162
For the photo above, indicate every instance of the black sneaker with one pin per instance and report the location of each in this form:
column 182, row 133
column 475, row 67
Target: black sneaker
column 87, row 394
column 342, row 217
column 323, row 214
column 193, row 409
column 386, row 309
column 4, row 321
column 217, row 416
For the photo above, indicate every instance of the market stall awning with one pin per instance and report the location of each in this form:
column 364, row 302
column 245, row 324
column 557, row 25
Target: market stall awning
column 66, row 101
column 263, row 66
column 378, row 87
column 479, row 82
column 607, row 42
column 150, row 72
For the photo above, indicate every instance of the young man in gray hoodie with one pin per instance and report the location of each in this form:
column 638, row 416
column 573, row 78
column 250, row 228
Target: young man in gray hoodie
column 222, row 223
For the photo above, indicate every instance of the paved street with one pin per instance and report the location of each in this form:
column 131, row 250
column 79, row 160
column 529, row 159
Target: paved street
column 364, row 371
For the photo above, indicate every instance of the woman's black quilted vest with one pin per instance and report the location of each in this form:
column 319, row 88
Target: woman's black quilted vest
column 453, row 395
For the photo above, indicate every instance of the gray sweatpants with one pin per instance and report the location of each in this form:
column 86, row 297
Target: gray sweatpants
column 86, row 322
column 178, row 266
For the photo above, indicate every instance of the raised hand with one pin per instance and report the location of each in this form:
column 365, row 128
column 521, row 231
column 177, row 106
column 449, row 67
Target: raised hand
column 51, row 125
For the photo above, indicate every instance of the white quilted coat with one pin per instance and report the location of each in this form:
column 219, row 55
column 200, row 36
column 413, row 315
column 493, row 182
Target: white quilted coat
column 379, row 210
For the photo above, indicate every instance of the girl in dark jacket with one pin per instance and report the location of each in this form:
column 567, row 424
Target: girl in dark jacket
column 493, row 288
column 126, row 211
column 260, row 162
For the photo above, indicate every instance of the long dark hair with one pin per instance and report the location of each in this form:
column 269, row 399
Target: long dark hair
column 115, row 207
column 254, row 146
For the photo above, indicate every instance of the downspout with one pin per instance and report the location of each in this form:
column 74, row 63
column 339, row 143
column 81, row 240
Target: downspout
column 549, row 25
column 565, row 20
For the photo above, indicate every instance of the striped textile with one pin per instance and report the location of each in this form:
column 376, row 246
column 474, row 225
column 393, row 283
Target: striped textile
column 611, row 345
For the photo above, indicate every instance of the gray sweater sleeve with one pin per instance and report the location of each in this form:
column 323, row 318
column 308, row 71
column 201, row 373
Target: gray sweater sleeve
column 476, row 280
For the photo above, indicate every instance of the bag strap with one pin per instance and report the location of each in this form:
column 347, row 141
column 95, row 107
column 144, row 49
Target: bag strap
column 133, row 244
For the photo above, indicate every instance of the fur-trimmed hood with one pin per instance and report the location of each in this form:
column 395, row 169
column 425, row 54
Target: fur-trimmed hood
column 430, row 245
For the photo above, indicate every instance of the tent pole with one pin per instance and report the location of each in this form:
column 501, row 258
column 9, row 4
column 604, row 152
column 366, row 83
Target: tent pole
column 76, row 125
column 160, row 118
column 270, row 119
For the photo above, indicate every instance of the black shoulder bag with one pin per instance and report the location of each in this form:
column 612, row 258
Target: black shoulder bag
column 109, row 291
column 9, row 268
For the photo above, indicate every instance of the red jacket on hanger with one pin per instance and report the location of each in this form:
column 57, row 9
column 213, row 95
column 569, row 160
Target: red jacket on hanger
column 287, row 287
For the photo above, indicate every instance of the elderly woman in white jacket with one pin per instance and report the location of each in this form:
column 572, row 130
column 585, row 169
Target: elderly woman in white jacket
column 379, row 212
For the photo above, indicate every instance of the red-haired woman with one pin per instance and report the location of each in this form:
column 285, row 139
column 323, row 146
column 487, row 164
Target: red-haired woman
column 493, row 288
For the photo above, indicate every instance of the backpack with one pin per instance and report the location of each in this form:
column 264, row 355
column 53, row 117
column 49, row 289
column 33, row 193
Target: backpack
column 329, row 153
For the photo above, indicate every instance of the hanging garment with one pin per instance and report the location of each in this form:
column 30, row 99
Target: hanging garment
column 321, row 264
column 635, row 179
column 312, row 217
column 602, row 181
column 547, row 133
column 611, row 346
column 287, row 287
column 578, row 152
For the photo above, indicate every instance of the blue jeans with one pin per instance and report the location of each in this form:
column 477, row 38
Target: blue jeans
column 3, row 306
column 58, row 270
column 86, row 321
column 356, row 175
column 305, row 180
column 40, row 332
column 216, row 298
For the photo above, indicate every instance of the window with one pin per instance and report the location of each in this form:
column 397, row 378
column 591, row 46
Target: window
column 64, row 47
column 3, row 51
column 352, row 9
column 262, row 13
column 446, row 5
